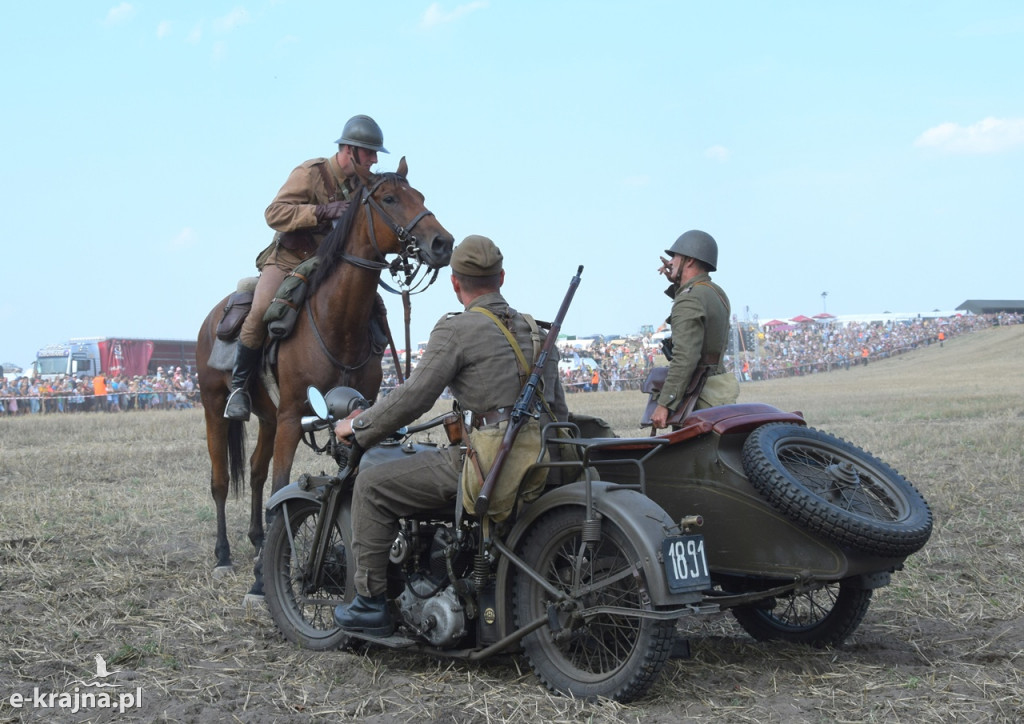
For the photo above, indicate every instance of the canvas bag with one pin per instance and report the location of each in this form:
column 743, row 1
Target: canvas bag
column 284, row 309
column 483, row 444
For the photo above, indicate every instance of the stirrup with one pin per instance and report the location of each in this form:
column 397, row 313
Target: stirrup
column 238, row 405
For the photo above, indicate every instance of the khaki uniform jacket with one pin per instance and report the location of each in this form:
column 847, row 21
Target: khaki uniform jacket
column 294, row 207
column 700, row 331
column 469, row 354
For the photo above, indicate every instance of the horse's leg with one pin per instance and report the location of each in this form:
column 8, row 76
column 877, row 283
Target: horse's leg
column 260, row 467
column 217, row 445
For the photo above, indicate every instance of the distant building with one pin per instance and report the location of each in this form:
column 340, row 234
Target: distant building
column 992, row 306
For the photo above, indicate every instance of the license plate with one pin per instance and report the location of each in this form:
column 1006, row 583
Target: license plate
column 686, row 565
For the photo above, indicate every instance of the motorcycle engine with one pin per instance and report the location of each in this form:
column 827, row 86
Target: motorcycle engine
column 439, row 618
column 428, row 602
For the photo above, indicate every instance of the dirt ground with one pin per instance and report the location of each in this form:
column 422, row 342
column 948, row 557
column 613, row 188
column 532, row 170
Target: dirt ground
column 106, row 548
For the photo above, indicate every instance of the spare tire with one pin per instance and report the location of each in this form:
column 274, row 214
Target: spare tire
column 837, row 490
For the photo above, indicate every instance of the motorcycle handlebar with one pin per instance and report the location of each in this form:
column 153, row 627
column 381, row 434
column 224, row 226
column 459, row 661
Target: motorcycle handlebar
column 312, row 423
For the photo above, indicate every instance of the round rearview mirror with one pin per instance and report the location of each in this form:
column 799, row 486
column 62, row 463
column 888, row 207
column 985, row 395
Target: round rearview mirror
column 317, row 401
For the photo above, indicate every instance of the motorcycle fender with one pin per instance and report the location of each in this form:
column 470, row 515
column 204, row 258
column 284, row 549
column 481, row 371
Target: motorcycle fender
column 643, row 521
column 292, row 492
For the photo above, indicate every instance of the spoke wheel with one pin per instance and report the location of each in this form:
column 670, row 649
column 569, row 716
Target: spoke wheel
column 837, row 490
column 303, row 613
column 825, row 616
column 608, row 655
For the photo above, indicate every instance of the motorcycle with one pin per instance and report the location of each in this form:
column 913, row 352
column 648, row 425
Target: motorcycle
column 589, row 580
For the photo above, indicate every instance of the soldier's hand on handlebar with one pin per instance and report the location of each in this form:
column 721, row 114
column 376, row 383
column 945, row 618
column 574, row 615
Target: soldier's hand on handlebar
column 343, row 428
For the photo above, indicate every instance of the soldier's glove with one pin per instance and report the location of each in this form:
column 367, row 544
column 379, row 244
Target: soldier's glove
column 330, row 210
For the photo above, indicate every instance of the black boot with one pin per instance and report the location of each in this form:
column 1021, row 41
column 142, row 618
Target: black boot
column 368, row 614
column 246, row 360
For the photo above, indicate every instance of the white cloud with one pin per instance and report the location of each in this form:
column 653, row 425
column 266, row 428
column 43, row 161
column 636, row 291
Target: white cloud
column 435, row 15
column 195, row 34
column 238, row 16
column 120, row 13
column 717, row 153
column 163, row 29
column 991, row 135
column 185, row 239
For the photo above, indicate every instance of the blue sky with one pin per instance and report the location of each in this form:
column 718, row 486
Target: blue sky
column 870, row 150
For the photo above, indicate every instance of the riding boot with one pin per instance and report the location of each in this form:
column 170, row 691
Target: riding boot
column 246, row 360
column 368, row 614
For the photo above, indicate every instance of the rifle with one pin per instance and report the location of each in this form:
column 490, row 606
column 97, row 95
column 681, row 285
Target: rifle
column 522, row 410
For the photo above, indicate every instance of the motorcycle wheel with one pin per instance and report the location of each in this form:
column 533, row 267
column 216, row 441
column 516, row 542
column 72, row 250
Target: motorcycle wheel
column 305, row 617
column 823, row 617
column 606, row 655
column 837, row 490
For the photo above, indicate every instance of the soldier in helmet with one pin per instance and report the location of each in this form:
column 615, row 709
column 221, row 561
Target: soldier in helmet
column 700, row 327
column 316, row 193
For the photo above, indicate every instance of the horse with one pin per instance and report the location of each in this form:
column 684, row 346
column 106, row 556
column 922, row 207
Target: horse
column 331, row 344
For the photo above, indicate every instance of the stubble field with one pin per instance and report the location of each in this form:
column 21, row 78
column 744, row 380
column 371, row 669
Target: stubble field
column 106, row 547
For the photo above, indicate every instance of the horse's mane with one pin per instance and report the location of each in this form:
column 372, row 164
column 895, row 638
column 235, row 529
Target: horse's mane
column 333, row 246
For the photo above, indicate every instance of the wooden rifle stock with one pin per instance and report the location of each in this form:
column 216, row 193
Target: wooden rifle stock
column 521, row 411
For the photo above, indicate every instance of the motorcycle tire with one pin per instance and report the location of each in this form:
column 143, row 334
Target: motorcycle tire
column 614, row 656
column 823, row 617
column 837, row 490
column 304, row 617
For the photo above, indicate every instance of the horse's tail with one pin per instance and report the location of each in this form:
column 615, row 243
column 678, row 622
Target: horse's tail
column 236, row 455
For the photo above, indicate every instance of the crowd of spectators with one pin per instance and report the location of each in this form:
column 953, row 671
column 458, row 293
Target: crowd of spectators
column 160, row 391
column 621, row 364
column 814, row 347
column 593, row 366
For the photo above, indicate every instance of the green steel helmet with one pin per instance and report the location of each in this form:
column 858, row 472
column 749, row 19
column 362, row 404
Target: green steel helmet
column 363, row 131
column 698, row 244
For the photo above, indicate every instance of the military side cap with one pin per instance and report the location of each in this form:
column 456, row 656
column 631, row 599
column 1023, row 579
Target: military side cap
column 476, row 256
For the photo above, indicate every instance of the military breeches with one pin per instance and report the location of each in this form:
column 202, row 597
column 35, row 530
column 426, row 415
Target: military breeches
column 278, row 265
column 427, row 480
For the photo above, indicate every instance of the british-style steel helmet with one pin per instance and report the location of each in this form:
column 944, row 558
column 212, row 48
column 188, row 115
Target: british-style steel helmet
column 698, row 244
column 363, row 131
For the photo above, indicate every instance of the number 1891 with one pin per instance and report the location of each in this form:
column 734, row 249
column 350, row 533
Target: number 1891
column 688, row 559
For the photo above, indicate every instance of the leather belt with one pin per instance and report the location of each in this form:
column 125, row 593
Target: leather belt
column 492, row 417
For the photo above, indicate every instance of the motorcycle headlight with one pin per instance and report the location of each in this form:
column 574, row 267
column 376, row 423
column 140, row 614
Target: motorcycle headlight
column 342, row 401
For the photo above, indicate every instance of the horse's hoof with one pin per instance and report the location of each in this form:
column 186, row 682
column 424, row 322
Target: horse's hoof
column 223, row 572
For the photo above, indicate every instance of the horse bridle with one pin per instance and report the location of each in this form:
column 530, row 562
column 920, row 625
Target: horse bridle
column 410, row 246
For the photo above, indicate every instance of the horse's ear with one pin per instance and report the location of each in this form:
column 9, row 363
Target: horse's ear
column 403, row 168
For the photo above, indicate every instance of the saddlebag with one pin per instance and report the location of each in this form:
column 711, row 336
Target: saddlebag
column 235, row 311
column 284, row 309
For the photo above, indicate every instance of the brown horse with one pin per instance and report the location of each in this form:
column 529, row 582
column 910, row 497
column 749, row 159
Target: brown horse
column 331, row 344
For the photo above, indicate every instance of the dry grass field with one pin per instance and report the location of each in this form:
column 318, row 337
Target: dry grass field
column 106, row 547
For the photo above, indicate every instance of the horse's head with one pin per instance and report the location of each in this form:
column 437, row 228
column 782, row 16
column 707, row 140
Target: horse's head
column 398, row 221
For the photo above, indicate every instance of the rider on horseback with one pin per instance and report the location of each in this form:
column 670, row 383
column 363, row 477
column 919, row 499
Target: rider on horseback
column 316, row 193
